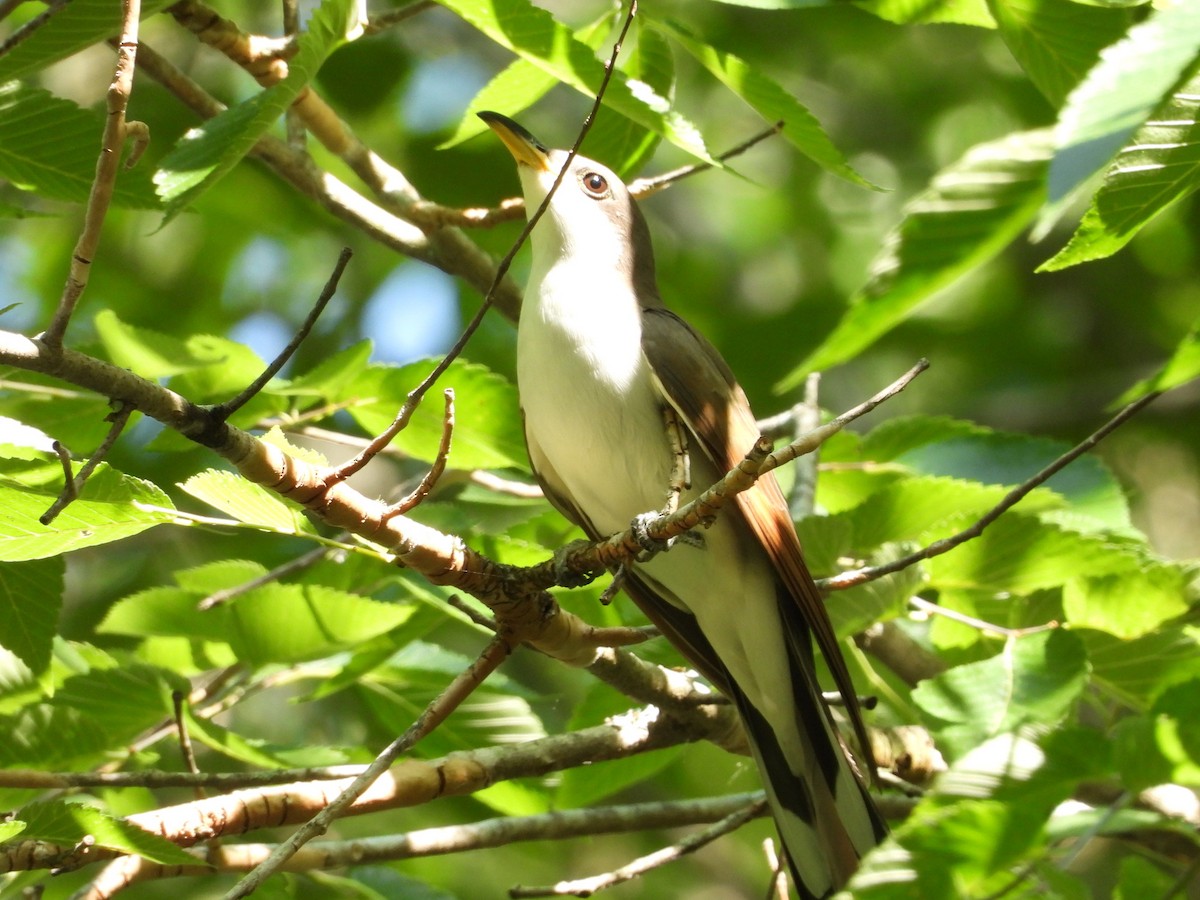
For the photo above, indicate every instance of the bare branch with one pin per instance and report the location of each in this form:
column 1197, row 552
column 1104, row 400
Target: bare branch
column 437, row 711
column 1011, row 499
column 223, row 411
column 111, row 145
column 421, row 491
column 644, row 187
column 426, row 842
column 585, row 887
column 119, row 418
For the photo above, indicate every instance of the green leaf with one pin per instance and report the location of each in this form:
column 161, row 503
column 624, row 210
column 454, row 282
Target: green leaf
column 76, row 26
column 111, row 506
column 536, row 36
column 487, row 431
column 291, row 623
column 205, row 154
column 766, row 97
column 924, row 12
column 1182, row 367
column 1141, row 878
column 1164, row 746
column 1033, row 680
column 1159, row 165
column 69, row 823
column 1103, row 602
column 1132, row 78
column 49, row 146
column 970, row 211
column 516, row 88
column 246, row 501
column 30, row 600
column 257, row 752
column 1137, row 671
column 1056, row 42
column 623, row 143
column 152, row 354
column 1022, row 553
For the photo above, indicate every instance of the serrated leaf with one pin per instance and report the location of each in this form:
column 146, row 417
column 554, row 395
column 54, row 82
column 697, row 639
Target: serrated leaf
column 938, row 12
column 1182, row 367
column 1033, row 680
column 76, row 26
column 110, row 507
column 1159, row 165
column 515, row 88
column 768, row 98
column 971, row 210
column 536, row 36
column 1164, row 746
column 1133, row 77
column 1103, row 602
column 1021, row 553
column 124, row 700
column 152, row 354
column 292, row 623
column 487, row 431
column 257, row 752
column 331, row 374
column 1056, row 42
column 69, row 823
column 205, row 154
column 49, row 146
column 30, row 600
column 1137, row 671
column 246, row 501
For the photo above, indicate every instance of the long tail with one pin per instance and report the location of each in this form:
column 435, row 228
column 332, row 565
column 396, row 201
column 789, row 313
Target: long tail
column 827, row 821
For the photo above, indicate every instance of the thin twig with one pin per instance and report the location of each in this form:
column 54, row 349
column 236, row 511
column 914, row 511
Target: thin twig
column 434, row 714
column 26, row 31
column 119, row 418
column 385, row 20
column 413, row 400
column 1011, row 499
column 105, row 181
column 644, row 187
column 291, row 567
column 586, row 887
column 513, row 208
column 421, row 491
column 223, row 411
column 619, row 548
column 803, row 496
column 928, row 607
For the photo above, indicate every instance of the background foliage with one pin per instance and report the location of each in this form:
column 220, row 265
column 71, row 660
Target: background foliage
column 983, row 123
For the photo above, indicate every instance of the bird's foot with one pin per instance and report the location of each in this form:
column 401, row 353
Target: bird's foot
column 564, row 574
column 640, row 526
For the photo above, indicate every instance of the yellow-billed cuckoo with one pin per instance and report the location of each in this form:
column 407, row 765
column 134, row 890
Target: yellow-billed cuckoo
column 599, row 362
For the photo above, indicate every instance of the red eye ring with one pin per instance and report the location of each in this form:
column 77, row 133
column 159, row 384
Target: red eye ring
column 594, row 183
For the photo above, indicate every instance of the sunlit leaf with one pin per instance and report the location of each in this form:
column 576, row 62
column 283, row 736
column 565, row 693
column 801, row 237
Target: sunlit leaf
column 111, row 506
column 970, row 211
column 49, row 146
column 1033, row 680
column 1182, row 367
column 768, row 98
column 1056, row 42
column 1132, row 78
column 65, row 823
column 538, row 37
column 208, row 152
column 30, row 600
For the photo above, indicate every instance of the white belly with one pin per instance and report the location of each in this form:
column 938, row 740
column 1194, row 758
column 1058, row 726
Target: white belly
column 594, row 418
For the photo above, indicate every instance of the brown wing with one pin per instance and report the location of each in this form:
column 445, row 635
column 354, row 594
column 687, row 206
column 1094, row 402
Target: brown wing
column 699, row 384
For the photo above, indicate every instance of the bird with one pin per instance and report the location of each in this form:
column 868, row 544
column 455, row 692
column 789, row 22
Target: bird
column 604, row 373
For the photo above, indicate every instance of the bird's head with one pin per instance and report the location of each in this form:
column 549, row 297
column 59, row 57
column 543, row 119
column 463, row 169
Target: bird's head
column 591, row 215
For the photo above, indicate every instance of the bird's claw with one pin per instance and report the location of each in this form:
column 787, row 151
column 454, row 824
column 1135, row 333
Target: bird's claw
column 564, row 574
column 640, row 526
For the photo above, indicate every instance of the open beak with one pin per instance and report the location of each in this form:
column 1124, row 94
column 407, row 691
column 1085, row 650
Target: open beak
column 525, row 148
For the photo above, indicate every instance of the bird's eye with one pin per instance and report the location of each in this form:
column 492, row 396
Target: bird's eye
column 595, row 184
